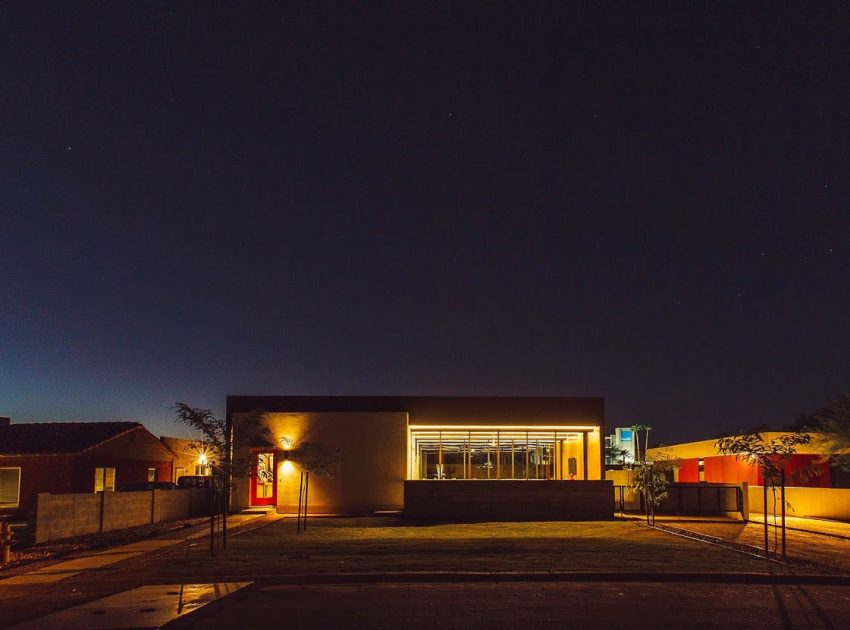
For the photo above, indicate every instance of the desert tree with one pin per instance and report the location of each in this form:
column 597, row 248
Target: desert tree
column 637, row 428
column 832, row 423
column 651, row 479
column 218, row 444
column 771, row 456
column 316, row 459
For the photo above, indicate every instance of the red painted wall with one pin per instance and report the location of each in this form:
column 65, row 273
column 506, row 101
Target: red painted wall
column 689, row 471
column 44, row 473
column 727, row 469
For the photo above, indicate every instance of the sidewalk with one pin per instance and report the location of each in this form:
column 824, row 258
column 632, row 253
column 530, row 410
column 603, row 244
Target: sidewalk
column 95, row 560
column 837, row 529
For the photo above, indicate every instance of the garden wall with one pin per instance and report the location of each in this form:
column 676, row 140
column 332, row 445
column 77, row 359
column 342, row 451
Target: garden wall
column 68, row 515
column 818, row 502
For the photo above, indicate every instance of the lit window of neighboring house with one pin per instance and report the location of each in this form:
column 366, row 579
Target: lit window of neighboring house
column 701, row 467
column 179, row 472
column 152, row 474
column 10, row 487
column 104, row 479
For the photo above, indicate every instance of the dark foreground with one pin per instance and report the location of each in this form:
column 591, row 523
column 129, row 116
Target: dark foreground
column 529, row 605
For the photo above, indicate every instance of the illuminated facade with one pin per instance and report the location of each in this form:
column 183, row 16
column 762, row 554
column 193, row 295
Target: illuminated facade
column 389, row 445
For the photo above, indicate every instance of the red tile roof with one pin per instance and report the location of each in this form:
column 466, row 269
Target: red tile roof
column 58, row 437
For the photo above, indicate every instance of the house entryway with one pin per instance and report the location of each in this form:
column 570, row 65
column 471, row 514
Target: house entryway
column 263, row 482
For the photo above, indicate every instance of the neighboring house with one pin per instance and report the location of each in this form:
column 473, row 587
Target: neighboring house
column 620, row 447
column 700, row 461
column 75, row 457
column 444, row 457
column 190, row 457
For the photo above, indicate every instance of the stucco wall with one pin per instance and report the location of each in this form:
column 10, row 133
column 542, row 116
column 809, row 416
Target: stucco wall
column 372, row 447
column 818, row 502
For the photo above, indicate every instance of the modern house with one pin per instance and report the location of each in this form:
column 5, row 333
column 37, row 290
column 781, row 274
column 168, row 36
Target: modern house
column 700, row 461
column 75, row 457
column 813, row 487
column 430, row 456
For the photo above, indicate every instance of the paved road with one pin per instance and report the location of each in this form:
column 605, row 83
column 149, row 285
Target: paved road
column 529, row 605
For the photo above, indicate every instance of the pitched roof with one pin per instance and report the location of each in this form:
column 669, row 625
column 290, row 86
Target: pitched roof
column 58, row 437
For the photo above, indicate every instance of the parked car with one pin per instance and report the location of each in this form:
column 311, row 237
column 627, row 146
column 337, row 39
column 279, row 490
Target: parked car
column 148, row 485
column 195, row 481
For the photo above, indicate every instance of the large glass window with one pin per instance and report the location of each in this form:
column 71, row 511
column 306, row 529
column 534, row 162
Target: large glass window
column 456, row 453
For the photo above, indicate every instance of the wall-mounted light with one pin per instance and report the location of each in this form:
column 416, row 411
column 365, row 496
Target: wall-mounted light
column 202, row 459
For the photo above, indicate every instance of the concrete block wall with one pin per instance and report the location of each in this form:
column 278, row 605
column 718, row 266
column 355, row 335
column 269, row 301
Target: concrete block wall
column 67, row 515
column 127, row 509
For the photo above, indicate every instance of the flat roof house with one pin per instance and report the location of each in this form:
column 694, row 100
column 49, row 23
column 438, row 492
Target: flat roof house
column 430, row 456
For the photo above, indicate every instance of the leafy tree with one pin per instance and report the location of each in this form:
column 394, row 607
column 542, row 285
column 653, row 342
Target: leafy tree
column 312, row 457
column 832, row 422
column 315, row 458
column 651, row 479
column 217, row 443
column 637, row 428
column 771, row 456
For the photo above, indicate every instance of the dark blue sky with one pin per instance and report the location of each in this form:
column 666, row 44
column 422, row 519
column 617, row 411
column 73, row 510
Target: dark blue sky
column 648, row 205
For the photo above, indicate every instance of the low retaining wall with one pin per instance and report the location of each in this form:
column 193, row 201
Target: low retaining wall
column 831, row 503
column 507, row 500
column 67, row 515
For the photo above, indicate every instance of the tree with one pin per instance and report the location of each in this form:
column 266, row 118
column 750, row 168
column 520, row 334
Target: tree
column 651, row 478
column 771, row 456
column 217, row 444
column 616, row 455
column 832, row 422
column 312, row 457
column 637, row 428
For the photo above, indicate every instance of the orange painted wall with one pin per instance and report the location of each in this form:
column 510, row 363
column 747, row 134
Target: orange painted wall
column 727, row 469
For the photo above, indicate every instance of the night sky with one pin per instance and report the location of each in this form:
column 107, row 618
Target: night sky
column 423, row 198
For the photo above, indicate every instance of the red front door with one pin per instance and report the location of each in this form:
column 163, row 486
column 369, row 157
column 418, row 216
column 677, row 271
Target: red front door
column 263, row 486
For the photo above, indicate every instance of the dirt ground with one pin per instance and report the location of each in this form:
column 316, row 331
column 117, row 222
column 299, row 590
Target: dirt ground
column 824, row 548
column 383, row 544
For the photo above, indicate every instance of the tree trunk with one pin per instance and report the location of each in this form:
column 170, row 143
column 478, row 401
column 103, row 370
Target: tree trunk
column 300, row 499
column 306, row 497
column 212, row 520
column 782, row 498
column 766, row 542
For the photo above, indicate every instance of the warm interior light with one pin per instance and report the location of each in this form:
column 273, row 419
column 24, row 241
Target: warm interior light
column 202, row 459
column 287, row 465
